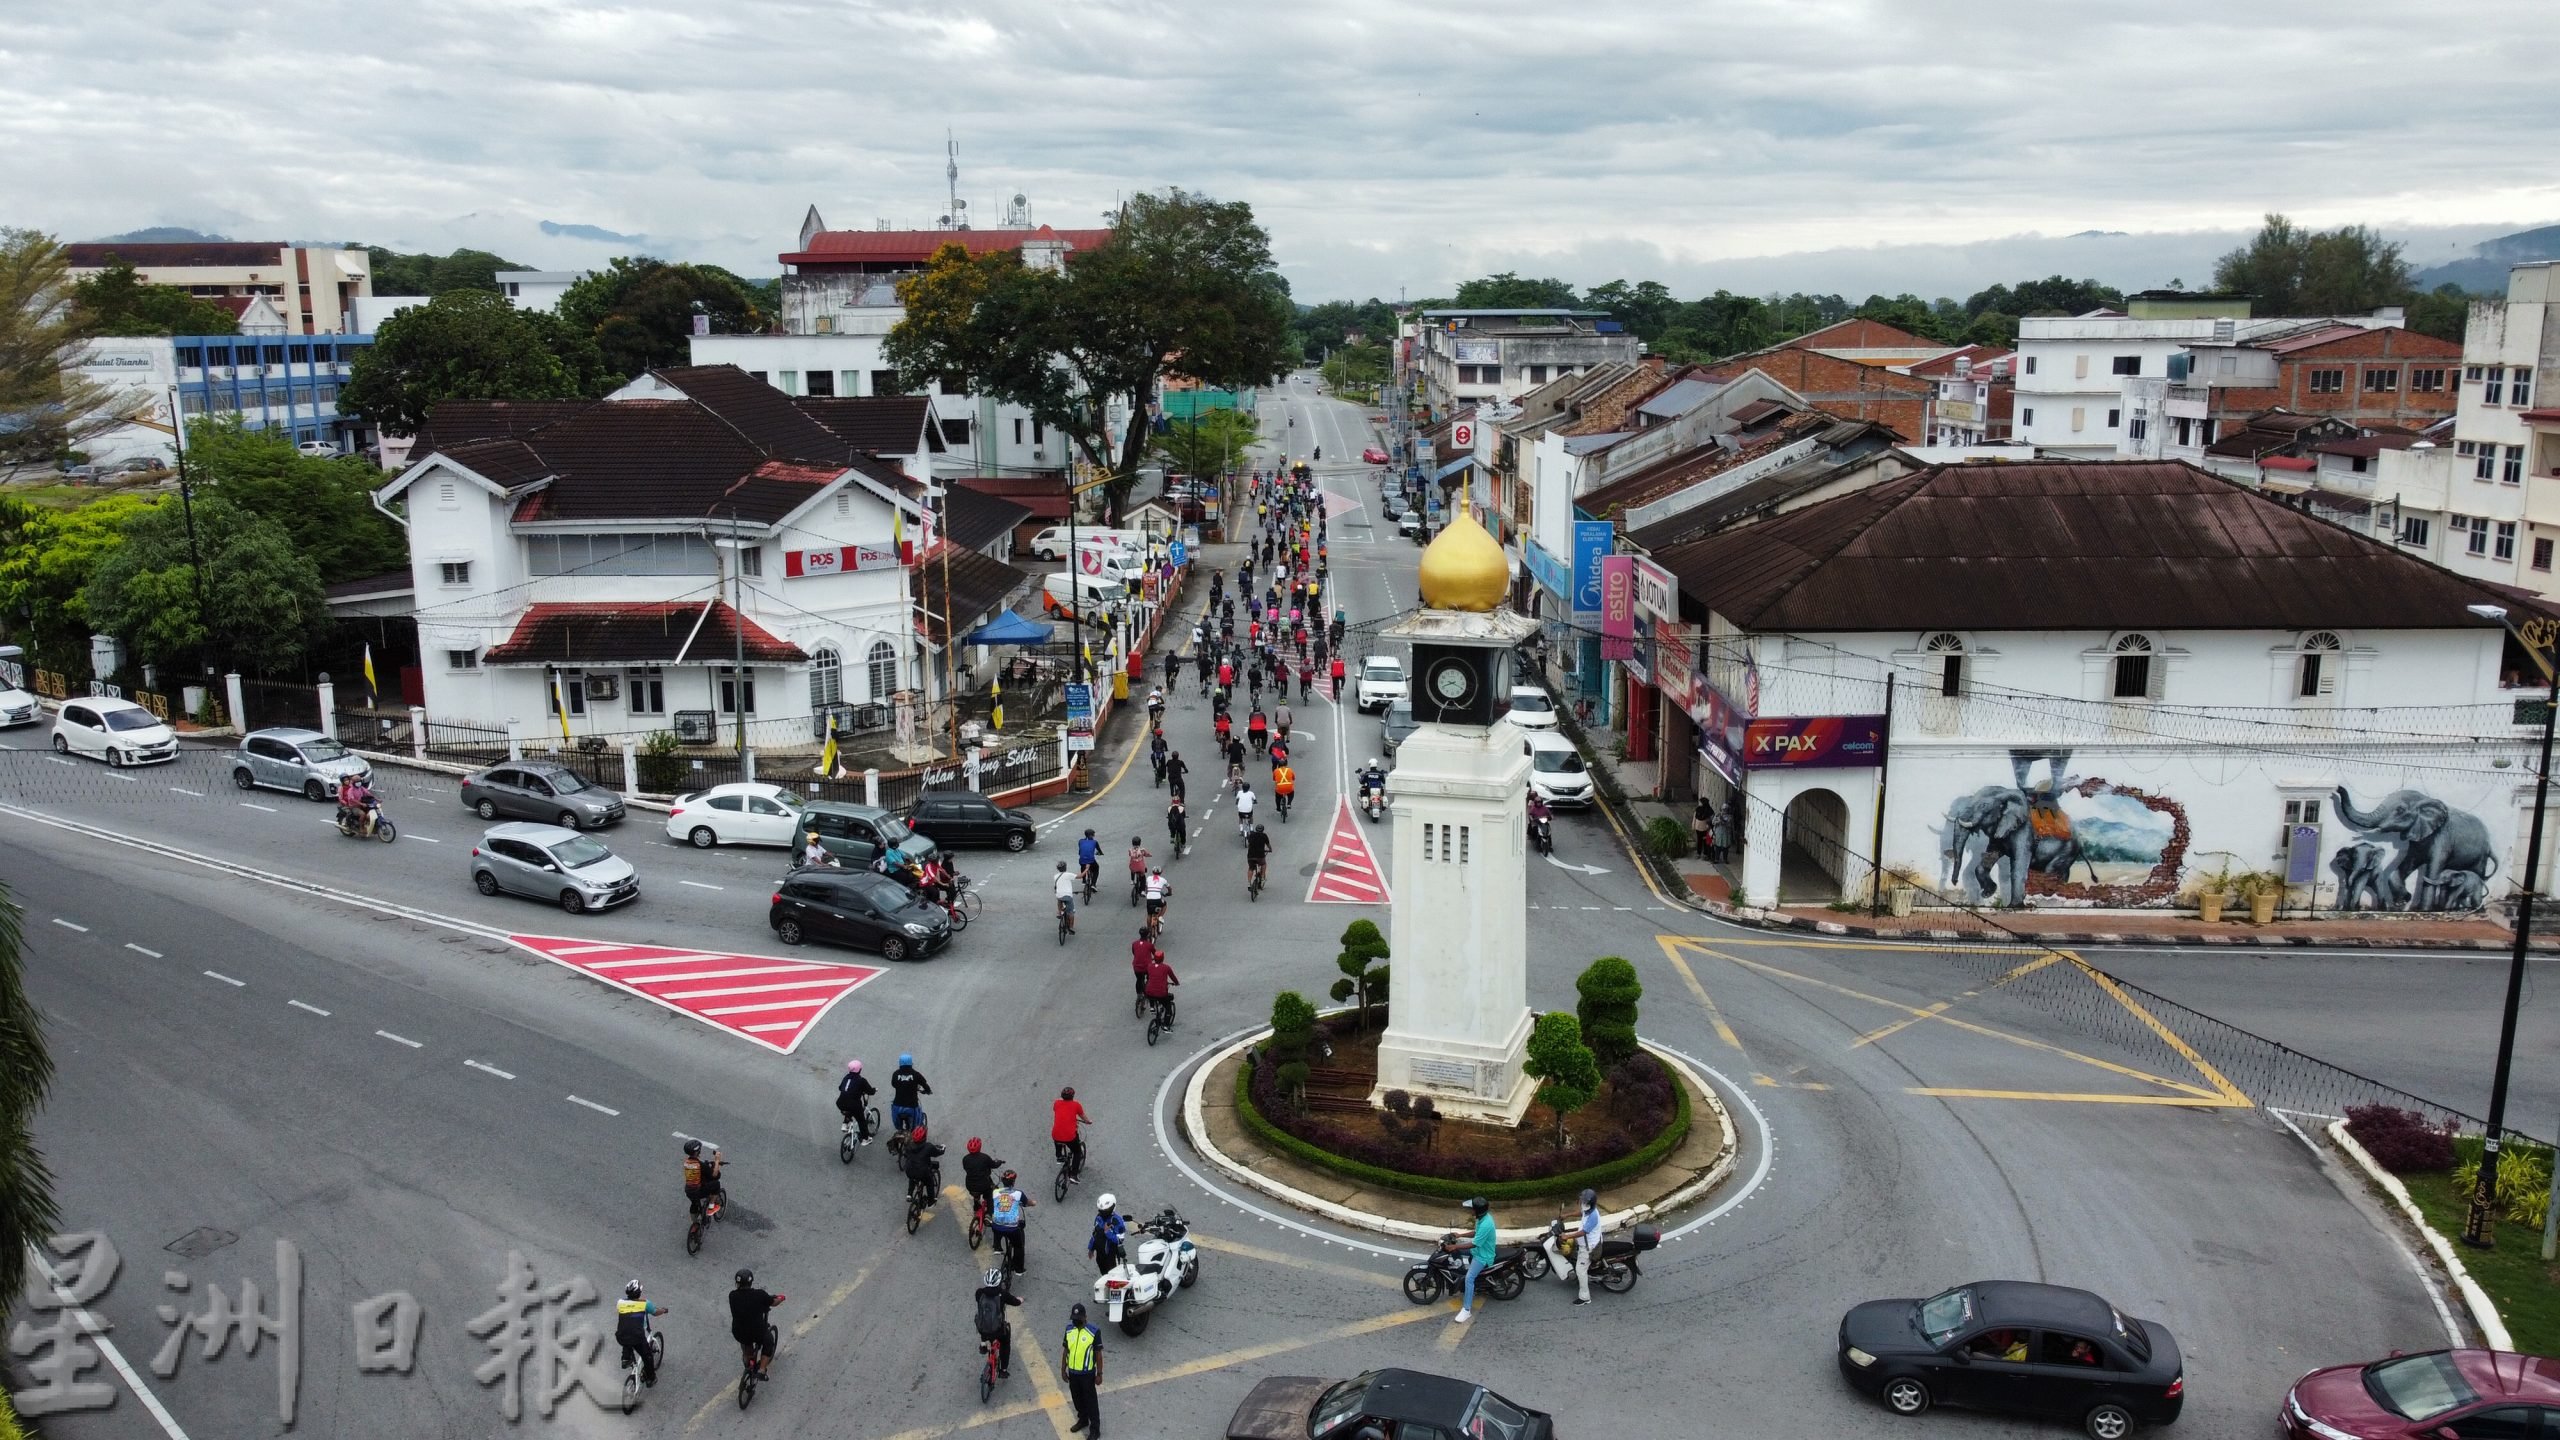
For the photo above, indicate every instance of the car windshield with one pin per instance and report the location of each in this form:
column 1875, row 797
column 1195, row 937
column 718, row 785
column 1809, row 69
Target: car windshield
column 2418, row 1387
column 1337, row 1407
column 1530, row 702
column 1941, row 1316
column 1382, row 670
column 1400, row 715
column 136, row 719
column 893, row 829
column 579, row 853
column 1497, row 1419
column 1556, row 762
column 565, row 782
column 790, row 799
column 321, row 752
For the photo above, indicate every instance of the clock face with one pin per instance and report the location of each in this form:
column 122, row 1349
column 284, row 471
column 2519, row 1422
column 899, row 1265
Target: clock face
column 1451, row 680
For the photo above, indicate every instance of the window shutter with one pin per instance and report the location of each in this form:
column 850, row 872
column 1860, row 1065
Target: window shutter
column 2158, row 671
column 2329, row 679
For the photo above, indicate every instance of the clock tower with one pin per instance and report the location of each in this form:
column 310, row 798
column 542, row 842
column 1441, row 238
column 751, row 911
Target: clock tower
column 1458, row 1019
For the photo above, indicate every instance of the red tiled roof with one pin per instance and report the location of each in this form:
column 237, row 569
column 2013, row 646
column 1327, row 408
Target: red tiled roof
column 915, row 247
column 1045, row 496
column 1944, row 366
column 1856, row 333
column 662, row 634
column 180, row 254
column 2540, row 417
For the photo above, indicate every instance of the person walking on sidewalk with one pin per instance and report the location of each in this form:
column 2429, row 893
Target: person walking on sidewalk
column 1702, row 827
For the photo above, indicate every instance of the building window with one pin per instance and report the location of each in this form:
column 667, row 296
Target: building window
column 955, row 432
column 884, row 382
column 2127, row 365
column 826, row 324
column 2298, row 812
column 1948, row 648
column 2473, row 530
column 455, row 572
column 2140, row 427
column 2512, row 472
column 881, row 667
column 2027, row 416
column 2079, row 418
column 1039, row 432
column 568, row 685
column 1017, row 430
column 646, row 689
column 2031, row 364
column 470, row 659
column 2328, row 382
column 1537, row 374
column 2380, row 381
column 2113, row 416
column 2505, row 548
column 2430, row 379
column 2079, row 367
column 2413, row 531
column 671, row 553
column 2316, row 674
column 2136, row 669
column 735, row 688
column 790, row 382
column 826, row 678
column 2520, row 389
column 2542, row 553
column 751, row 561
column 2186, row 432
column 2493, row 385
column 822, row 383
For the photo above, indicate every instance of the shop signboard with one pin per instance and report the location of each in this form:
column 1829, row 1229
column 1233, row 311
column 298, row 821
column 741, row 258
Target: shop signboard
column 1814, row 742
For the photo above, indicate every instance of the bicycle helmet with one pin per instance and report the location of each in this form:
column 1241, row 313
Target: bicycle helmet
column 992, row 1277
column 1106, row 1204
column 853, row 1067
column 905, row 1059
column 745, row 1278
column 1373, row 762
column 631, row 1291
column 1068, row 1093
column 1010, row 1177
column 693, row 1147
column 974, row 1146
column 917, row 1137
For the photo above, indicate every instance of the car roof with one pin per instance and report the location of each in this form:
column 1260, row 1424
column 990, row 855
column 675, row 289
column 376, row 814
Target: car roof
column 1543, row 739
column 855, row 809
column 1381, row 660
column 1402, row 1395
column 295, row 733
column 102, row 702
column 529, row 831
column 2502, row 1374
column 2027, row 1302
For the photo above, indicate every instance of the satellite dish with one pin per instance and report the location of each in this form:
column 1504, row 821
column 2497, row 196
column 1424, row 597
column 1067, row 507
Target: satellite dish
column 1021, row 199
column 960, row 204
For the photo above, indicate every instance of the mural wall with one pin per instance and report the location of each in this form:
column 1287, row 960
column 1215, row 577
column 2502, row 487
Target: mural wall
column 2057, row 834
column 2413, row 851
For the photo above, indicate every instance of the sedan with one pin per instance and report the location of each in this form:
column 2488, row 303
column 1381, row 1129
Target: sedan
column 303, row 761
column 541, row 790
column 121, row 731
column 746, row 812
column 1401, row 1402
column 17, row 707
column 1396, row 724
column 2016, row 1347
column 1409, row 525
column 962, row 817
column 1373, row 456
column 1531, row 709
column 848, row 907
column 2441, row 1392
column 552, row 864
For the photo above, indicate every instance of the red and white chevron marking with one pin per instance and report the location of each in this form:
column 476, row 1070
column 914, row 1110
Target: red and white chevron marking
column 768, row 999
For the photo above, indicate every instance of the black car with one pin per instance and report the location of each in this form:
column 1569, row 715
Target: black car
column 2017, row 1347
column 848, row 907
column 1398, row 1402
column 962, row 817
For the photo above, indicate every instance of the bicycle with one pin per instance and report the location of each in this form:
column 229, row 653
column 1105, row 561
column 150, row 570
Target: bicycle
column 979, row 1206
column 987, row 1376
column 1161, row 1020
column 1091, row 877
column 1283, row 802
column 920, row 1198
column 857, row 1132
column 753, row 1374
column 1253, row 882
column 1066, row 919
column 704, row 1212
column 1070, row 1168
column 631, row 1369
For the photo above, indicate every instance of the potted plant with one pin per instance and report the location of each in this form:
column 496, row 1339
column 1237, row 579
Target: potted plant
column 2209, row 891
column 2262, row 889
column 1902, row 886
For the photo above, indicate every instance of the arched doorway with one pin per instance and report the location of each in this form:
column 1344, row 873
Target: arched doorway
column 1813, row 855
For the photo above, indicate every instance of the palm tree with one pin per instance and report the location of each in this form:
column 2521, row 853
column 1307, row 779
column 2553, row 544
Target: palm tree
column 27, row 1212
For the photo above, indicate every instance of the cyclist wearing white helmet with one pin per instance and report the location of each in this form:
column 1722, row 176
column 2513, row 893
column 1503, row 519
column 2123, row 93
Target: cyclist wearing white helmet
column 994, row 1294
column 631, row 1330
column 851, row 1091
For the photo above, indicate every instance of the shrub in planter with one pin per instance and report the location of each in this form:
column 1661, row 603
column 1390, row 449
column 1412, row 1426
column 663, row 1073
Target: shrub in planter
column 1364, row 968
column 662, row 768
column 2401, row 1141
column 1667, row 838
column 2524, row 1180
column 1293, row 1029
column 1609, row 990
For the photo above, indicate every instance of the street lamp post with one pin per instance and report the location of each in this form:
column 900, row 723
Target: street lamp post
column 2479, row 1222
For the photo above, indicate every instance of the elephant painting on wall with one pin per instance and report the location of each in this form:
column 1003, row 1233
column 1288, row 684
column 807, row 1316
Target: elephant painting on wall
column 2414, row 852
column 2060, row 836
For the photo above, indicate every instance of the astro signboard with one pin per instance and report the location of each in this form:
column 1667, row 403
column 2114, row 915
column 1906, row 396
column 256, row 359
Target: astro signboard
column 1814, row 742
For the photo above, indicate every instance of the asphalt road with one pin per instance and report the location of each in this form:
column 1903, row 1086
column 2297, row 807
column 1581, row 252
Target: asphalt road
column 393, row 1094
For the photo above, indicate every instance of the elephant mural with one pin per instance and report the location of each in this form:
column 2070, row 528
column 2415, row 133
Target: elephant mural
column 2441, row 858
column 2000, row 834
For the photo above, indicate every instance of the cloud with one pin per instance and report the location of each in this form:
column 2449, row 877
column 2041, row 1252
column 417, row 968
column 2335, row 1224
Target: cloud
column 1841, row 145
column 591, row 232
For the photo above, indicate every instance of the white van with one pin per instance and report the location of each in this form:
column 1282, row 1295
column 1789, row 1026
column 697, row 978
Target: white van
column 1091, row 596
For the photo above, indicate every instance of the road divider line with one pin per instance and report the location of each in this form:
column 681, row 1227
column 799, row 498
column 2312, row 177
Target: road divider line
column 227, row 980
column 69, row 925
column 414, row 835
column 183, row 790
column 401, row 1040
column 58, row 760
column 698, row 885
column 707, row 1143
column 144, row 950
column 95, row 1330
column 129, row 780
column 314, row 1009
column 490, row 1070
column 590, row 1104
column 270, row 809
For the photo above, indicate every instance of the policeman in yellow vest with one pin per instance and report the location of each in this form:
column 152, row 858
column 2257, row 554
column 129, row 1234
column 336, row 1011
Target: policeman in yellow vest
column 1082, row 1360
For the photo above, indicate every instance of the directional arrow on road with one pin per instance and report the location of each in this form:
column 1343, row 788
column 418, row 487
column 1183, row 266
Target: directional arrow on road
column 1349, row 873
column 768, row 999
column 1579, row 869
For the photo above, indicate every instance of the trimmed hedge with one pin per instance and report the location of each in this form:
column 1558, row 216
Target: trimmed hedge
column 1598, row 1177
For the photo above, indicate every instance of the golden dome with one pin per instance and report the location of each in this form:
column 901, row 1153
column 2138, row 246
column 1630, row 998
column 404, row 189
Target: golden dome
column 1464, row 568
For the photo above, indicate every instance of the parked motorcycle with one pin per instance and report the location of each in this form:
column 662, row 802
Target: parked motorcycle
column 1444, row 1271
column 1616, row 1270
column 368, row 824
column 1160, row 1259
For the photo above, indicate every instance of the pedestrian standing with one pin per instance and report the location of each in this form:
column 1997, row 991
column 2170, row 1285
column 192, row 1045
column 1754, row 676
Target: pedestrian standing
column 1081, row 1359
column 1702, row 827
column 1482, row 1256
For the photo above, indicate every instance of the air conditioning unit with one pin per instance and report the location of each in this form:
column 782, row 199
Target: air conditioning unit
column 604, row 687
column 696, row 727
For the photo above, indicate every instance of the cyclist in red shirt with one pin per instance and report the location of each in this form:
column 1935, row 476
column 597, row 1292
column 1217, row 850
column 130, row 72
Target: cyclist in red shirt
column 1066, row 1124
column 1337, row 679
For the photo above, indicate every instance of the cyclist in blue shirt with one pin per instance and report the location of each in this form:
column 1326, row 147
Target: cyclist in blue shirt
column 1005, row 1217
column 1089, row 862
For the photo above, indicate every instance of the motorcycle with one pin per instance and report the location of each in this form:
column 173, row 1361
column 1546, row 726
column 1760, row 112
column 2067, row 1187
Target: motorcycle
column 1160, row 1258
column 371, row 824
column 1616, row 1269
column 1444, row 1271
column 1542, row 834
column 1373, row 798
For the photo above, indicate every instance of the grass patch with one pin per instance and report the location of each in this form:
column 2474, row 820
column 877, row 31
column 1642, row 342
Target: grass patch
column 72, row 497
column 2524, row 1288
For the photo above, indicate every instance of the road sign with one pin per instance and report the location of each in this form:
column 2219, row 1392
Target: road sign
column 768, row 999
column 1181, row 553
column 1079, row 716
column 1462, row 436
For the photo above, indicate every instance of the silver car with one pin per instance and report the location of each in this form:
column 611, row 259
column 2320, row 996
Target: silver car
column 304, row 761
column 576, row 872
column 541, row 790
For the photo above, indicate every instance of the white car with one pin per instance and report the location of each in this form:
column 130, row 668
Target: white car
column 1556, row 771
column 740, row 813
column 317, row 450
column 1531, row 709
column 17, row 707
column 1381, row 683
column 119, row 731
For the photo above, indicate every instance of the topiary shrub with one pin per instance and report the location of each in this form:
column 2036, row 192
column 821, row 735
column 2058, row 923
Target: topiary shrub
column 1609, row 990
column 1364, row 973
column 2401, row 1141
column 1293, row 1029
column 1567, row 1076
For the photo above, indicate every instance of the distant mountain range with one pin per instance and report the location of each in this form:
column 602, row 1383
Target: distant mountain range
column 2484, row 270
column 160, row 235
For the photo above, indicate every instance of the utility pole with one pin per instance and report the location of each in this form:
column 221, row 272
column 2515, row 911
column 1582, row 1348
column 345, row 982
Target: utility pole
column 738, row 629
column 187, row 506
column 2480, row 1223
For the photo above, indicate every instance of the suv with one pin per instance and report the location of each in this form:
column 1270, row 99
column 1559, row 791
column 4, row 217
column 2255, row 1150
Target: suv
column 1381, row 683
column 546, row 862
column 541, row 790
column 871, row 911
column 1556, row 771
column 963, row 817
column 856, row 834
column 285, row 758
column 123, row 732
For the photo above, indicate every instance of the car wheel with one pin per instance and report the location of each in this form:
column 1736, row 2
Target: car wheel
column 2109, row 1422
column 893, row 948
column 568, row 820
column 573, row 902
column 115, row 758
column 487, row 882
column 488, row 809
column 789, row 932
column 61, row 746
column 1905, row 1395
column 1017, row 841
column 313, row 791
column 702, row 837
column 240, row 777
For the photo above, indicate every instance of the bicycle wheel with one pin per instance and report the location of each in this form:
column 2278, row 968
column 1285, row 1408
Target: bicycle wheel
column 1058, row 1191
column 987, row 1378
column 630, row 1387
column 844, row 1146
column 970, row 902
column 915, row 1215
column 959, row 919
column 1155, row 1027
column 977, row 1229
column 1062, row 929
column 746, row 1387
column 693, row 1237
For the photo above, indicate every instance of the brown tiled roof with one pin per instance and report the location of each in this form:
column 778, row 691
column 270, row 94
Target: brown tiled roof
column 502, row 461
column 881, row 424
column 763, row 416
column 979, row 583
column 625, row 634
column 179, row 254
column 453, row 422
column 974, row 517
column 915, row 247
column 1856, row 333
column 1045, row 496
column 2049, row 546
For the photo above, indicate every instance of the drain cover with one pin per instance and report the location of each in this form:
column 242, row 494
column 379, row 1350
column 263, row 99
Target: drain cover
column 200, row 1242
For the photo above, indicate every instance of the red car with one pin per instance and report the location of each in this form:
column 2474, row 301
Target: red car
column 2461, row 1393
column 1373, row 456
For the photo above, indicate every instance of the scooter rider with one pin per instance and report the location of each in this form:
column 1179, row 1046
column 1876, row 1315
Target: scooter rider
column 1372, row 778
column 1541, row 823
column 1581, row 1245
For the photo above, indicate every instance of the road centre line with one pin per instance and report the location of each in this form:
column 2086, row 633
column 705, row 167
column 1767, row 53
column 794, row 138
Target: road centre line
column 227, row 980
column 490, row 1070
column 58, row 760
column 144, row 950
column 401, row 1040
column 314, row 1009
column 70, row 925
column 698, row 885
column 129, row 780
column 183, row 790
column 590, row 1104
column 270, row 809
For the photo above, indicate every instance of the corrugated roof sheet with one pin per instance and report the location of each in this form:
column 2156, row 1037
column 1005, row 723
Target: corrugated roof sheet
column 978, row 583
column 179, row 254
column 1679, row 398
column 2048, row 546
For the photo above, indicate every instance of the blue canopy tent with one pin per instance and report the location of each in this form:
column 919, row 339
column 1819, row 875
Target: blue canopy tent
column 1009, row 629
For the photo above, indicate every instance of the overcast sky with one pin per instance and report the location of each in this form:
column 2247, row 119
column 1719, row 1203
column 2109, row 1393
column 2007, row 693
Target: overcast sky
column 1755, row 144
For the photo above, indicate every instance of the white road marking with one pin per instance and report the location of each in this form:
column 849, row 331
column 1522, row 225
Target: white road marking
column 129, row 780
column 590, row 1104
column 400, row 1040
column 68, row 925
column 425, row 839
column 270, row 809
column 768, row 1005
column 227, row 980
column 785, row 969
column 489, row 1069
column 183, row 790
column 585, row 949
column 96, row 1331
column 58, row 760
column 314, row 1009
column 839, row 981
column 144, row 950
column 698, row 885
column 707, row 1144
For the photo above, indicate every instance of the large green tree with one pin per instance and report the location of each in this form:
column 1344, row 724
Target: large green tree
column 1185, row 287
column 116, row 301
column 262, row 596
column 1508, row 291
column 2286, row 269
column 1208, row 444
column 462, row 345
column 27, row 1210
column 45, row 406
column 46, row 559
column 325, row 507
column 2444, row 312
column 395, row 273
column 639, row 311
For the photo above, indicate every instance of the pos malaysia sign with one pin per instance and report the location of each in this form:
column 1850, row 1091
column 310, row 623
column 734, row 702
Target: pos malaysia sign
column 1814, row 742
column 840, row 560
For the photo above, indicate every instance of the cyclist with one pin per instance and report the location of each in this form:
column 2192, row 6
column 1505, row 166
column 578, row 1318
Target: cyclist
column 751, row 1323
column 1306, row 681
column 1281, row 718
column 1257, row 854
column 851, row 1091
column 1089, row 863
column 1155, row 706
column 701, row 1175
column 1142, row 955
column 1158, row 753
column 1244, row 803
column 1160, row 983
column 994, row 1294
column 1067, row 1119
column 1279, row 755
column 1284, row 783
column 631, row 1330
column 1257, row 726
column 978, row 1173
column 1337, row 678
column 1176, row 770
column 1109, row 1230
column 923, row 1165
column 907, row 1086
column 1173, row 662
column 1235, row 758
column 1005, row 1217
column 1159, row 890
column 1177, row 824
column 1067, row 897
column 1223, row 726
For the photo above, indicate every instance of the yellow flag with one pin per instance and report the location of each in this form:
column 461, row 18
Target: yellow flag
column 371, row 688
column 999, row 694
column 827, row 757
column 560, row 704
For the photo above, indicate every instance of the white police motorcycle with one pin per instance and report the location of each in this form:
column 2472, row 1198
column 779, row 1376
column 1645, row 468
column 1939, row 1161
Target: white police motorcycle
column 1157, row 1259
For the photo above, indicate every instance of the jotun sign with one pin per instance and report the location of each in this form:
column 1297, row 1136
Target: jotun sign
column 1814, row 742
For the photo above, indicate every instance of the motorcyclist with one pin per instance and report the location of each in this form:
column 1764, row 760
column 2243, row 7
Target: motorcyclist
column 751, row 1322
column 1373, row 778
column 1109, row 1230
column 851, row 1091
column 906, row 1087
column 1580, row 1244
column 356, row 803
column 1541, row 821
